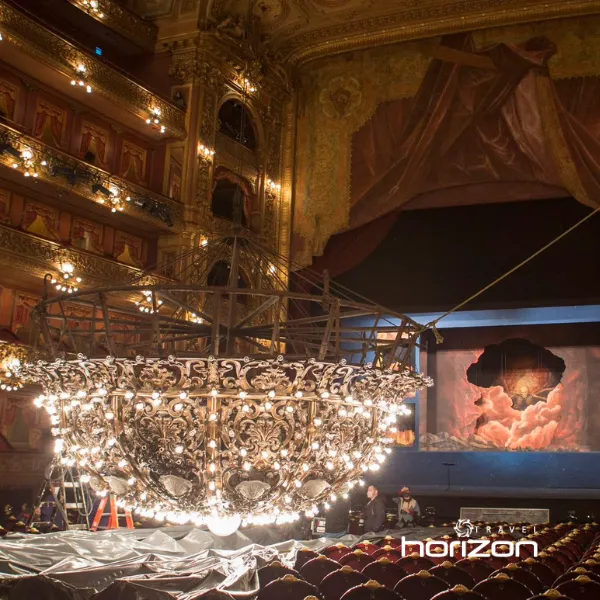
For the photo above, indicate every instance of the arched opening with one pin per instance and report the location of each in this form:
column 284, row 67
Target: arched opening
column 232, row 198
column 219, row 276
column 236, row 122
column 220, row 273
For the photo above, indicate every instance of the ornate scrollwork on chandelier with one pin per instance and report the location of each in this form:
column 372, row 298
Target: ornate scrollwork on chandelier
column 183, row 435
column 260, row 438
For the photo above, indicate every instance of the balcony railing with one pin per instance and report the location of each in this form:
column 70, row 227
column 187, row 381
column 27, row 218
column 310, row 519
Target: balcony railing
column 121, row 20
column 107, row 80
column 37, row 256
column 77, row 176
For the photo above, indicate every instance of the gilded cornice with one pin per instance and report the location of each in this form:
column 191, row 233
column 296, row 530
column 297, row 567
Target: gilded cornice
column 220, row 62
column 84, row 189
column 126, row 23
column 423, row 21
column 37, row 256
column 54, row 51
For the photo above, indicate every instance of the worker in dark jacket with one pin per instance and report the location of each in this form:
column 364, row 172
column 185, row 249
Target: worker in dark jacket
column 374, row 510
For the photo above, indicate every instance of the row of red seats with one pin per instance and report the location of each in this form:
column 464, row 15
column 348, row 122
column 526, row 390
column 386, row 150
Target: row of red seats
column 567, row 568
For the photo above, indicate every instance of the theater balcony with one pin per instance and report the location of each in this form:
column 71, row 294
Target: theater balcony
column 36, row 47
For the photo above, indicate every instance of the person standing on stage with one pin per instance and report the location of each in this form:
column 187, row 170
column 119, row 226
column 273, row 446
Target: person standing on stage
column 374, row 510
column 408, row 508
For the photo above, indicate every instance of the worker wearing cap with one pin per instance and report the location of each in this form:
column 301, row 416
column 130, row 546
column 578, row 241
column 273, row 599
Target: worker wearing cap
column 408, row 508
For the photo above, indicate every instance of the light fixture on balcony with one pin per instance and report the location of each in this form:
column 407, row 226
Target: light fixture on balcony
column 149, row 303
column 213, row 426
column 110, row 196
column 81, row 78
column 66, row 281
column 92, row 7
column 271, row 187
column 26, row 161
column 155, row 120
column 205, row 153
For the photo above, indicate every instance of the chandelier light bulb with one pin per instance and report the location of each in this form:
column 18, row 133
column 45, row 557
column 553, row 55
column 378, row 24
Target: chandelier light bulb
column 224, row 526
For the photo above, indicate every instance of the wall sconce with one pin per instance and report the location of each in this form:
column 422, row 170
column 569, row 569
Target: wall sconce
column 146, row 305
column 154, row 120
column 247, row 86
column 81, row 78
column 206, row 154
column 67, row 281
column 11, row 358
column 272, row 188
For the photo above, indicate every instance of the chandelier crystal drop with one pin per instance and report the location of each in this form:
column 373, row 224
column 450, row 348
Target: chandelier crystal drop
column 252, row 414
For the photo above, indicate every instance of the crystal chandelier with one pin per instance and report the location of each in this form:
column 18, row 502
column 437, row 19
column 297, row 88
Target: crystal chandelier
column 227, row 402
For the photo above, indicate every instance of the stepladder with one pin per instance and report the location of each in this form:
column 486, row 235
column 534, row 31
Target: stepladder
column 113, row 517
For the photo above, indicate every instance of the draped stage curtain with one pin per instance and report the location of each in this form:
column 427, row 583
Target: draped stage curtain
column 502, row 119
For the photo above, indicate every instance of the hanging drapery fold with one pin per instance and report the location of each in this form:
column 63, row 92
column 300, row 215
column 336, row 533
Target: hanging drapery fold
column 467, row 126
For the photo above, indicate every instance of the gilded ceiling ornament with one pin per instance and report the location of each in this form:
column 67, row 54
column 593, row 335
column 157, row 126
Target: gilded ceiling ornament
column 271, row 12
column 340, row 97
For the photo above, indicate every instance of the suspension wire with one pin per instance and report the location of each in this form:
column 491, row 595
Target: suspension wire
column 433, row 324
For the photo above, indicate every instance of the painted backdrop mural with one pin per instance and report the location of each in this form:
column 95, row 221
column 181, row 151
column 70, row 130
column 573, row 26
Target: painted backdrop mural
column 515, row 396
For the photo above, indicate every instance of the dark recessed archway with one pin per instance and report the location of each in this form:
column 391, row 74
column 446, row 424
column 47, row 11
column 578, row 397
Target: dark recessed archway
column 229, row 201
column 235, row 121
column 220, row 273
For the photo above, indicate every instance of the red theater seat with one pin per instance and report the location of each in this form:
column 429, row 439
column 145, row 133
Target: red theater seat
column 287, row 588
column 580, row 588
column 336, row 584
column 420, row 586
column 550, row 594
column 388, row 540
column 336, row 552
column 303, row 556
column 315, row 570
column 385, row 572
column 357, row 560
column 502, row 587
column 371, row 590
column 390, row 552
column 458, row 592
column 453, row 575
column 544, row 573
column 576, row 572
column 367, row 547
column 476, row 568
column 415, row 563
column 273, row 571
column 548, row 559
column 527, row 578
